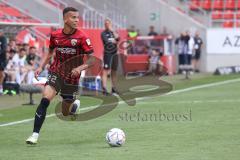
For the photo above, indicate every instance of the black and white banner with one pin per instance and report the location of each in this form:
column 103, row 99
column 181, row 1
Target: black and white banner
column 223, row 41
column 227, row 70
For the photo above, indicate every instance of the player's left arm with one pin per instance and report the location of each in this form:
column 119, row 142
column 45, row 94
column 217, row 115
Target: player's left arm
column 90, row 62
column 91, row 59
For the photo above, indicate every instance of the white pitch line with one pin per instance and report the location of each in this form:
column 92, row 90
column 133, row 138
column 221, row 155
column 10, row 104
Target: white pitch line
column 203, row 86
column 139, row 99
column 32, row 119
column 191, row 102
column 194, row 88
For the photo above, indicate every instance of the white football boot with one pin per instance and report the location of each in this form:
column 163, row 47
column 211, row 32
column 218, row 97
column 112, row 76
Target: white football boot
column 33, row 138
column 75, row 109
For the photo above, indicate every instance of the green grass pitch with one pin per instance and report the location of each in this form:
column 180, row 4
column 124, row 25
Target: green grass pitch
column 205, row 127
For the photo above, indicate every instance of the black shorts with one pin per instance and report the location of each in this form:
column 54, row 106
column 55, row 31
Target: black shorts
column 68, row 91
column 3, row 65
column 110, row 61
column 185, row 59
column 189, row 59
column 197, row 55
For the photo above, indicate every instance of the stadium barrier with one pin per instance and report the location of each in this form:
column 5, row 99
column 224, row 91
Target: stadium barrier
column 137, row 57
column 227, row 70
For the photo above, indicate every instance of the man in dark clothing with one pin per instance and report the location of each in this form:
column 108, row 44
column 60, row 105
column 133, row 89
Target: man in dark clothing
column 3, row 63
column 152, row 31
column 198, row 47
column 110, row 58
column 182, row 45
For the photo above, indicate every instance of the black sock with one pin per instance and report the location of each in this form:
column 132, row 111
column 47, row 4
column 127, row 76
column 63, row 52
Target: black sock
column 40, row 114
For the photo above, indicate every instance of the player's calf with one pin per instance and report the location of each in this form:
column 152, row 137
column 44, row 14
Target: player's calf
column 70, row 107
column 66, row 104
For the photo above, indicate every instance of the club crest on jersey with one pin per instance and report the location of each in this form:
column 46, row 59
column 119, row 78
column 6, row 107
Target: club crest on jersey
column 88, row 42
column 74, row 42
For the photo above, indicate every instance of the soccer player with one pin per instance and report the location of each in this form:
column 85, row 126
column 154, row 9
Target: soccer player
column 110, row 59
column 70, row 44
column 3, row 63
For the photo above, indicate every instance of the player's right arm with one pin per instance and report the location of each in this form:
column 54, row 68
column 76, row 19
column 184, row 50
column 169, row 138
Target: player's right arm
column 47, row 58
column 45, row 61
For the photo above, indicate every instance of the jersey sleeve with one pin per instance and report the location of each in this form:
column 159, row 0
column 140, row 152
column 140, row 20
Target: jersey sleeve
column 51, row 42
column 86, row 45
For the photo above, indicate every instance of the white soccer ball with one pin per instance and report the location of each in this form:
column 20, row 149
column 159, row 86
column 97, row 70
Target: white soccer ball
column 115, row 137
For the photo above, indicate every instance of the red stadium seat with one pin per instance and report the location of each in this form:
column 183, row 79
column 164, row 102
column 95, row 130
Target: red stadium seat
column 11, row 11
column 238, row 15
column 218, row 5
column 228, row 14
column 230, row 4
column 217, row 15
column 16, row 14
column 238, row 5
column 238, row 24
column 228, row 24
column 194, row 4
column 207, row 4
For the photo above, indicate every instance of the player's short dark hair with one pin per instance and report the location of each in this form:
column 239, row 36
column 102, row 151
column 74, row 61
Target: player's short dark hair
column 22, row 49
column 68, row 9
column 12, row 51
column 32, row 47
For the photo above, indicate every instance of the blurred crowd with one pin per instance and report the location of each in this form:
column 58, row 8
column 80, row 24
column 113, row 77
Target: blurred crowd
column 188, row 47
column 153, row 46
column 22, row 59
column 133, row 32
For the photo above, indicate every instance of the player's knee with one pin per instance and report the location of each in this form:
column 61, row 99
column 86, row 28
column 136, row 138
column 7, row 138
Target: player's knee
column 68, row 98
column 46, row 97
column 49, row 93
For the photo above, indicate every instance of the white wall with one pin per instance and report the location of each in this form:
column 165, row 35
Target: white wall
column 138, row 13
column 223, row 48
column 214, row 61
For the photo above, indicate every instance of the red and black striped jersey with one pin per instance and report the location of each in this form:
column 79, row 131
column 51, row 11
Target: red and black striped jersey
column 69, row 53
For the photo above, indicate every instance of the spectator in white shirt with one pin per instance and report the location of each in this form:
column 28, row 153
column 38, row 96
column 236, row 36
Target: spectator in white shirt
column 19, row 63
